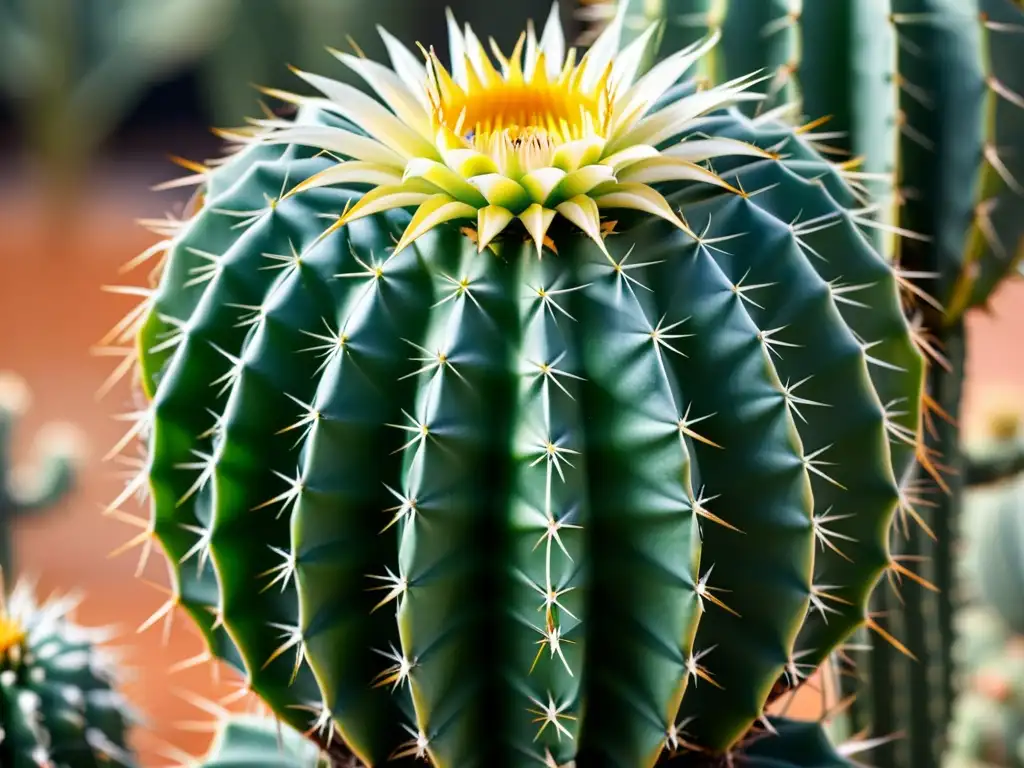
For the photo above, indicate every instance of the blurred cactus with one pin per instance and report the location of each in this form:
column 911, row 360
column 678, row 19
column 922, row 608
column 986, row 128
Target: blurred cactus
column 32, row 489
column 73, row 70
column 58, row 703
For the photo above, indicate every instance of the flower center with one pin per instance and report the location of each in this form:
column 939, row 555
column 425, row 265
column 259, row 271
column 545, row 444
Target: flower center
column 11, row 634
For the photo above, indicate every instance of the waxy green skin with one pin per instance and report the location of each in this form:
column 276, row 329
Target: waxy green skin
column 254, row 742
column 58, row 703
column 925, row 92
column 306, row 435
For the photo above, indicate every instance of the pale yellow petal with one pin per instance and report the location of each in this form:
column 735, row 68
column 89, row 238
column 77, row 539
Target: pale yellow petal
column 628, row 61
column 337, row 141
column 407, row 66
column 501, row 190
column 552, row 42
column 626, row 157
column 674, row 119
column 469, row 162
column 532, row 51
column 698, row 150
column 412, row 192
column 350, row 172
column 392, row 90
column 581, row 182
column 640, row 197
column 490, row 222
column 536, row 219
column 583, row 212
column 599, row 57
column 655, row 170
column 577, row 153
column 481, row 61
column 433, row 212
column 541, row 182
column 631, row 105
column 445, row 179
column 372, row 116
column 456, row 49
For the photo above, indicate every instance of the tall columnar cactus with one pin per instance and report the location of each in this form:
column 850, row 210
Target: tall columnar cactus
column 58, row 701
column 591, row 457
column 33, row 489
column 921, row 100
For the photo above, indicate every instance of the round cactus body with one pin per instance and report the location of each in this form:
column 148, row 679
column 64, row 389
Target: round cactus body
column 58, row 704
column 994, row 533
column 508, row 482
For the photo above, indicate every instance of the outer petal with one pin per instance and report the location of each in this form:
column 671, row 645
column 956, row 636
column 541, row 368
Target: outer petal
column 542, row 182
column 628, row 61
column 411, row 192
column 407, row 66
column 445, row 179
column 537, row 219
column 391, row 89
column 552, row 42
column 698, row 150
column 490, row 221
column 372, row 116
column 578, row 153
column 350, row 172
column 658, row 169
column 582, row 211
column 456, row 49
column 581, row 182
column 674, row 119
column 501, row 190
column 339, row 141
column 640, row 197
column 598, row 58
column 434, row 211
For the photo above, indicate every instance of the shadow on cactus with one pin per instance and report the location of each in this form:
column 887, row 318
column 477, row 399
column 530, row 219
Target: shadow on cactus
column 58, row 700
column 587, row 459
column 30, row 490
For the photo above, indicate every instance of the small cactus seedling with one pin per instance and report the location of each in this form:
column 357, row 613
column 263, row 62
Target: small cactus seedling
column 587, row 459
column 29, row 490
column 58, row 702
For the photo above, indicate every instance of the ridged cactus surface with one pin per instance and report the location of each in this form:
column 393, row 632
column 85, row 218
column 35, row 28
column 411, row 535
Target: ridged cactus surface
column 246, row 741
column 599, row 491
column 926, row 97
column 59, row 707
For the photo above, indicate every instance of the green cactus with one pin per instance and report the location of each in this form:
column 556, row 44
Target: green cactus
column 537, row 474
column 258, row 742
column 58, row 701
column 28, row 491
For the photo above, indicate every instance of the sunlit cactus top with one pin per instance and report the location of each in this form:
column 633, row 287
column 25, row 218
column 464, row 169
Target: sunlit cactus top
column 538, row 136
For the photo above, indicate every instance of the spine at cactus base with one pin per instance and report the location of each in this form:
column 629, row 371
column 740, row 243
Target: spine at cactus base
column 535, row 411
column 30, row 492
column 58, row 704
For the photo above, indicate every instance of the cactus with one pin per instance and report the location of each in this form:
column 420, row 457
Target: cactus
column 919, row 100
column 58, row 702
column 26, row 492
column 259, row 742
column 590, row 458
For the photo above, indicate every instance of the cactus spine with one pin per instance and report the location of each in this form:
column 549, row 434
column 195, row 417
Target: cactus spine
column 587, row 460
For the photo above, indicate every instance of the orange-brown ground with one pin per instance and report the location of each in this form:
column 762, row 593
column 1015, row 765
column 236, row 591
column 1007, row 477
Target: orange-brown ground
column 52, row 311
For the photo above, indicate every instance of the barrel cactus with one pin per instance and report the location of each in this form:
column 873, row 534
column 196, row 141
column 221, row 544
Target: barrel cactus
column 58, row 702
column 587, row 459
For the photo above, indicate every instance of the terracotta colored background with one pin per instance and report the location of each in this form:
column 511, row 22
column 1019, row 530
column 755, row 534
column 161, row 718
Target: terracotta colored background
column 52, row 311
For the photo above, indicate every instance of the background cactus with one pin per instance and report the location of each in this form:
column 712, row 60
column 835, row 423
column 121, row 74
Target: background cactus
column 618, row 504
column 30, row 490
column 912, row 98
column 260, row 742
column 58, row 700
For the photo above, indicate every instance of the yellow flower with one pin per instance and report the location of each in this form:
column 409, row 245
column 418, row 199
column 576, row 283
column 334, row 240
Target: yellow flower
column 540, row 135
